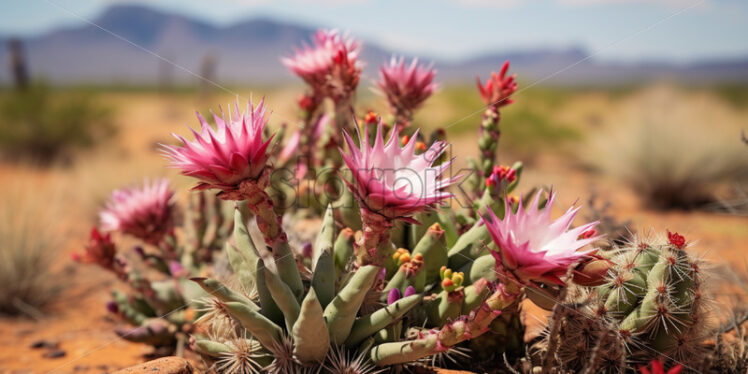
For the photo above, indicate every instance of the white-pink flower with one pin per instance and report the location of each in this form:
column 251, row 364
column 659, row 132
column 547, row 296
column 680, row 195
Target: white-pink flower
column 394, row 181
column 145, row 212
column 534, row 248
column 330, row 65
column 406, row 87
column 225, row 158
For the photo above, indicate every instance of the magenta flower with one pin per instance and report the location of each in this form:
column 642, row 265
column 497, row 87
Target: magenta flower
column 393, row 181
column 146, row 213
column 532, row 247
column 406, row 87
column 497, row 90
column 100, row 250
column 232, row 158
column 330, row 65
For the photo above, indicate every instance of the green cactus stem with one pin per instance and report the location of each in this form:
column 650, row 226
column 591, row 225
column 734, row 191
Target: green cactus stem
column 343, row 249
column 323, row 278
column 411, row 272
column 261, row 328
column 366, row 326
column 432, row 247
column 459, row 330
column 341, row 312
column 311, row 338
column 469, row 247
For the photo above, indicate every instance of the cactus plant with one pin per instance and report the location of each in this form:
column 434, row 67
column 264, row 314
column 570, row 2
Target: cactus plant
column 157, row 304
column 653, row 303
column 395, row 276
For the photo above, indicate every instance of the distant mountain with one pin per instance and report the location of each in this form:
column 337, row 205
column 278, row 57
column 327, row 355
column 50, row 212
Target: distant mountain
column 249, row 52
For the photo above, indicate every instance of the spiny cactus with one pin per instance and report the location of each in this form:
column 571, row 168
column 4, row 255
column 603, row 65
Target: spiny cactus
column 157, row 304
column 653, row 303
column 299, row 329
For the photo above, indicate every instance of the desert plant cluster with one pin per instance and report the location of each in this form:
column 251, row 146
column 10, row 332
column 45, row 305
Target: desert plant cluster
column 415, row 263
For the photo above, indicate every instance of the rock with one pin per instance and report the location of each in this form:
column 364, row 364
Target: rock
column 166, row 365
column 42, row 343
column 54, row 353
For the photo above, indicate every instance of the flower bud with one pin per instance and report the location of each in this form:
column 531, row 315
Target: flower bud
column 393, row 296
column 592, row 273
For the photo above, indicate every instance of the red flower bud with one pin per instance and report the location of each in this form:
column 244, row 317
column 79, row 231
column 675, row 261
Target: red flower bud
column 676, row 239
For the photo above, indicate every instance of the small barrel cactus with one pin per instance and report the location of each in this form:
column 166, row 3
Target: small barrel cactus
column 652, row 304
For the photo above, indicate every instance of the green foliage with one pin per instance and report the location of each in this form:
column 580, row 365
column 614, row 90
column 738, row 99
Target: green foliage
column 44, row 125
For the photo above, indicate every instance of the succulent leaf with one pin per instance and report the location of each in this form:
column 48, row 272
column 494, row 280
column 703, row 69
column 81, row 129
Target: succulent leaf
column 340, row 314
column 311, row 339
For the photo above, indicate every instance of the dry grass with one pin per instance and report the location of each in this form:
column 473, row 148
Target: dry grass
column 31, row 237
column 675, row 149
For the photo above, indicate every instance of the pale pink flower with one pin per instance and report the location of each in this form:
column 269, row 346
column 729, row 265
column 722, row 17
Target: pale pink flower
column 406, row 87
column 228, row 158
column 497, row 89
column 146, row 212
column 393, row 181
column 330, row 65
column 532, row 247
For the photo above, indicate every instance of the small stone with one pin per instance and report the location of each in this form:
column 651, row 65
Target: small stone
column 42, row 343
column 54, row 353
column 166, row 365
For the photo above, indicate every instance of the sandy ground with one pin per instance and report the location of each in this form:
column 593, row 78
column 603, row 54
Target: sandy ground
column 78, row 323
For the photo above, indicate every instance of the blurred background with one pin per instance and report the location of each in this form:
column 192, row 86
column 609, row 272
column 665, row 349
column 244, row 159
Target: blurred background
column 634, row 108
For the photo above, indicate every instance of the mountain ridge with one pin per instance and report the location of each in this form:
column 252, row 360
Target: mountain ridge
column 249, row 51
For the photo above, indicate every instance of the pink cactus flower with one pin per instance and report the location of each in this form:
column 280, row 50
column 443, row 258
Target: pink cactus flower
column 232, row 159
column 146, row 213
column 532, row 247
column 393, row 181
column 330, row 65
column 406, row 87
column 497, row 89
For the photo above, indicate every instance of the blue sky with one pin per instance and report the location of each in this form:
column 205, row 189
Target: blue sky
column 674, row 30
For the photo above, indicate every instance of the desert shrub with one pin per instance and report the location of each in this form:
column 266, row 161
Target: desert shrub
column 675, row 150
column 29, row 244
column 45, row 126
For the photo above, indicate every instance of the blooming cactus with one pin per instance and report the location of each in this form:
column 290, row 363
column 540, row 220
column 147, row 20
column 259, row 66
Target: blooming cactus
column 146, row 213
column 406, row 87
column 393, row 182
column 330, row 65
column 532, row 247
column 231, row 159
column 497, row 89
